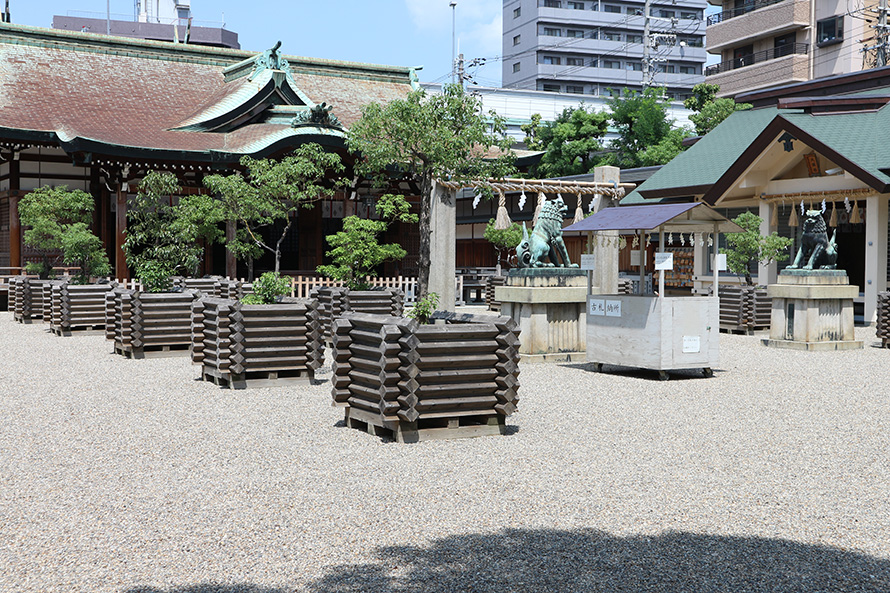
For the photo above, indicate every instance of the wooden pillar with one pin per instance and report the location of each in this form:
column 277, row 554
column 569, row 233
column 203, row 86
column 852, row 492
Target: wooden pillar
column 231, row 262
column 120, row 266
column 15, row 225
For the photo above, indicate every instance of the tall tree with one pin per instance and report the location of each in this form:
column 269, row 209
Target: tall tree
column 573, row 141
column 430, row 137
column 642, row 122
column 274, row 191
column 59, row 220
column 709, row 110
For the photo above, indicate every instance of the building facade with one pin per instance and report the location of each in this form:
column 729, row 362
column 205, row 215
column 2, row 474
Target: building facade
column 764, row 43
column 596, row 46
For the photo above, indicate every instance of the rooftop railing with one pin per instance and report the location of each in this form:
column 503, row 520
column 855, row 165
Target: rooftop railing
column 730, row 14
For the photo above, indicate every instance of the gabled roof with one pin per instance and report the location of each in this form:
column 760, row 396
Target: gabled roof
column 687, row 217
column 145, row 99
column 713, row 164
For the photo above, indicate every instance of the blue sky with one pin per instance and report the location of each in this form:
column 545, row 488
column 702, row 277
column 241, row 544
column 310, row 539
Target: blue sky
column 393, row 32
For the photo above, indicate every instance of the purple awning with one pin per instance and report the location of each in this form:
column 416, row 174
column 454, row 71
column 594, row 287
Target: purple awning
column 685, row 217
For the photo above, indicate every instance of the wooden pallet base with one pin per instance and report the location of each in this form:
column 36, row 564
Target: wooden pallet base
column 743, row 330
column 254, row 379
column 28, row 320
column 82, row 330
column 430, row 430
column 885, row 342
column 166, row 351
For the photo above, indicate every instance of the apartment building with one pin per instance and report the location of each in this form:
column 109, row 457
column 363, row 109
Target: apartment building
column 596, row 46
column 764, row 43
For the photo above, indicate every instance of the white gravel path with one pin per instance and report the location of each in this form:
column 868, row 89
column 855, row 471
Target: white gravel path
column 131, row 476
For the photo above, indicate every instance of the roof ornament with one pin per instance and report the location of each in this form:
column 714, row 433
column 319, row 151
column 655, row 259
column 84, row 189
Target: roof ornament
column 318, row 115
column 270, row 59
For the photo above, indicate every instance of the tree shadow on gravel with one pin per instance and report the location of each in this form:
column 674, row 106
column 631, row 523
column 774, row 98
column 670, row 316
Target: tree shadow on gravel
column 523, row 560
column 210, row 588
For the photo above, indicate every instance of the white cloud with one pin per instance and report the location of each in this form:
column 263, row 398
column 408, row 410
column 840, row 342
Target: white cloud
column 469, row 14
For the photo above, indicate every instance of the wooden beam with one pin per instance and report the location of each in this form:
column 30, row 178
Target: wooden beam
column 15, row 225
column 120, row 267
column 231, row 262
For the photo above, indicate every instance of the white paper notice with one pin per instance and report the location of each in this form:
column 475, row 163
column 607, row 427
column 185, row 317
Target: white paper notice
column 588, row 261
column 597, row 307
column 721, row 262
column 691, row 344
column 664, row 261
column 613, row 308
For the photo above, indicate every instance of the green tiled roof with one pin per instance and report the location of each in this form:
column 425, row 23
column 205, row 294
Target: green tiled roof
column 710, row 157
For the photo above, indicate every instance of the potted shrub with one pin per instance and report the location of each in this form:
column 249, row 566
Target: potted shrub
column 503, row 240
column 164, row 241
column 457, row 378
column 355, row 254
column 263, row 339
column 747, row 307
column 58, row 221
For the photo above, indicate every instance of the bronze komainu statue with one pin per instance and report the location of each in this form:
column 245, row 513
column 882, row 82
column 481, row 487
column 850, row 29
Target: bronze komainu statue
column 546, row 239
column 816, row 251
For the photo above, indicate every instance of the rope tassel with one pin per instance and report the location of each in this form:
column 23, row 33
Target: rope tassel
column 579, row 211
column 541, row 199
column 792, row 219
column 832, row 220
column 855, row 218
column 502, row 222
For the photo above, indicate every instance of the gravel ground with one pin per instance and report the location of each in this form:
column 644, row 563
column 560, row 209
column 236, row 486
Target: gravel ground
column 131, row 476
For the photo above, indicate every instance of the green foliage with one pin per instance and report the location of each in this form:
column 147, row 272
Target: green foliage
column 532, row 133
column 39, row 268
column 709, row 110
column 355, row 251
column 503, row 239
column 266, row 289
column 669, row 147
column 445, row 136
column 59, row 220
column 572, row 142
column 750, row 247
column 273, row 191
column 642, row 122
column 163, row 238
column 424, row 308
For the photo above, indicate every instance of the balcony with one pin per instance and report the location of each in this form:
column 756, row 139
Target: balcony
column 777, row 16
column 764, row 69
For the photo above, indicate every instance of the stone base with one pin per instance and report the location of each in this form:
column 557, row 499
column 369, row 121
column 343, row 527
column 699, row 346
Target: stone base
column 814, row 346
column 812, row 310
column 550, row 307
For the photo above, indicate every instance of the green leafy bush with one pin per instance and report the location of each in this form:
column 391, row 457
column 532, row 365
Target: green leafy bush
column 267, row 289
column 424, row 308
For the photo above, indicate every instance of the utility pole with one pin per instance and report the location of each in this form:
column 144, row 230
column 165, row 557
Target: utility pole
column 108, row 17
column 461, row 76
column 5, row 14
column 881, row 56
column 648, row 75
column 453, row 4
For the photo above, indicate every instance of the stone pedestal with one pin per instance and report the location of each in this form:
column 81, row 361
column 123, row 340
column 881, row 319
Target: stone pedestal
column 549, row 305
column 812, row 310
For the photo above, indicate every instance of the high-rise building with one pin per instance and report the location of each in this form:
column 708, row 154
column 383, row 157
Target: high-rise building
column 158, row 20
column 597, row 46
column 764, row 43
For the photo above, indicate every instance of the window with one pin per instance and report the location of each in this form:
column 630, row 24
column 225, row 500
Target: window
column 612, row 9
column 574, row 89
column 666, row 14
column 611, row 36
column 552, row 60
column 576, row 5
column 574, row 61
column 637, row 66
column 743, row 56
column 614, row 64
column 688, row 70
column 634, row 11
column 594, row 63
column 550, row 32
column 574, row 33
column 634, row 38
column 517, row 12
column 669, row 69
column 691, row 16
column 516, row 67
column 830, row 31
column 517, row 39
column 552, row 4
column 594, row 34
column 550, row 88
column 784, row 45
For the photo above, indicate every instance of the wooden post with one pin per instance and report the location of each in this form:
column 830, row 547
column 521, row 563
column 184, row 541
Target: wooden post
column 15, row 230
column 661, row 272
column 231, row 262
column 642, row 263
column 714, row 265
column 120, row 266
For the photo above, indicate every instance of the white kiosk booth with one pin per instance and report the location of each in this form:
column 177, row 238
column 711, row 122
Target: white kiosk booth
column 654, row 331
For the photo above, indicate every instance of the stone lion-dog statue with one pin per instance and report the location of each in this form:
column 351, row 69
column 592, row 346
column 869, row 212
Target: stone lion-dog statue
column 816, row 251
column 546, row 239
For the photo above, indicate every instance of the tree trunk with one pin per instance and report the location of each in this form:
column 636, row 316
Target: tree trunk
column 423, row 261
column 249, row 269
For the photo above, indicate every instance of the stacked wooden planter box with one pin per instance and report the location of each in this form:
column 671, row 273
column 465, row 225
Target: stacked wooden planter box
column 145, row 324
column 334, row 301
column 744, row 308
column 230, row 289
column 209, row 285
column 240, row 345
column 422, row 382
column 883, row 322
column 490, row 284
column 26, row 298
column 76, row 307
